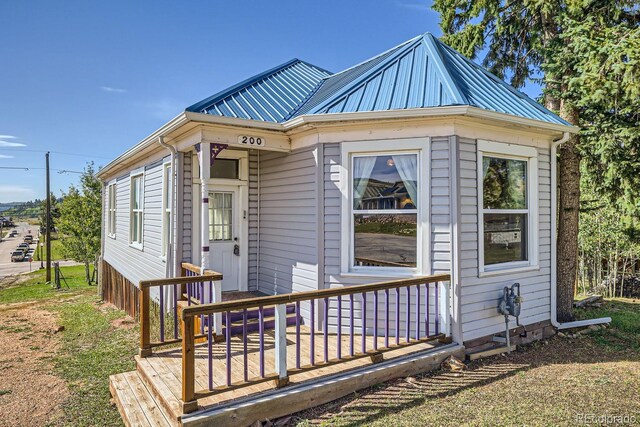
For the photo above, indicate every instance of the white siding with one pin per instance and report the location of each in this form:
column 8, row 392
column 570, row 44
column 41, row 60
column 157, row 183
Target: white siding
column 132, row 263
column 287, row 253
column 479, row 296
column 440, row 206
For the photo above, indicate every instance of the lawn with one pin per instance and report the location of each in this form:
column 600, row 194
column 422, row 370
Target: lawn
column 33, row 286
column 560, row 381
column 56, row 251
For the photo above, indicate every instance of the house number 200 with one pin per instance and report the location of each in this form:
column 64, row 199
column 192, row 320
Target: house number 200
column 251, row 140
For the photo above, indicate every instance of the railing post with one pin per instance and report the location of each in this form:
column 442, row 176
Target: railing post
column 189, row 403
column 217, row 317
column 281, row 346
column 145, row 333
column 445, row 308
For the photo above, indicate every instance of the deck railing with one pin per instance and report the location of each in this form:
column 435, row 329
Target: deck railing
column 190, row 288
column 403, row 313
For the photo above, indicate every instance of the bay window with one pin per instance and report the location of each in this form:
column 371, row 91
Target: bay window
column 507, row 206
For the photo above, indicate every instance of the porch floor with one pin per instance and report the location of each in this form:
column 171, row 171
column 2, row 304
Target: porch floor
column 163, row 370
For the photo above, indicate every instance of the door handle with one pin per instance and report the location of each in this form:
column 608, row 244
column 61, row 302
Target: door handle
column 236, row 250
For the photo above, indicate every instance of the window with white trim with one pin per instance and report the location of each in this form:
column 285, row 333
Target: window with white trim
column 167, row 189
column 384, row 210
column 507, row 206
column 136, row 210
column 111, row 210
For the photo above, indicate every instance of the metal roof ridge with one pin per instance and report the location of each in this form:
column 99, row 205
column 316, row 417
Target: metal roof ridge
column 305, row 100
column 245, row 83
column 511, row 89
column 348, row 88
column 432, row 45
column 373, row 57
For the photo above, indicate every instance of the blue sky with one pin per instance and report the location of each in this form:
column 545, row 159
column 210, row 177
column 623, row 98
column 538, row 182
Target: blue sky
column 86, row 79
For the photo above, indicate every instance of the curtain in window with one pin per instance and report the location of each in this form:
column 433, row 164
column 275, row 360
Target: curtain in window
column 407, row 167
column 362, row 168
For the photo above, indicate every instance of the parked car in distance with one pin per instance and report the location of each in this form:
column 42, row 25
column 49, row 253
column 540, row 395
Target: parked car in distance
column 28, row 238
column 17, row 256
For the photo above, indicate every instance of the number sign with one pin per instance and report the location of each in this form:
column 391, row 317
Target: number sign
column 251, row 140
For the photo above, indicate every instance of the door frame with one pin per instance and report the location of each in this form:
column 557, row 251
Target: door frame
column 240, row 185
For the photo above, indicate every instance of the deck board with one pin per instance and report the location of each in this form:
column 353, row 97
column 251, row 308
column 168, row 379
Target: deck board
column 146, row 401
column 165, row 365
column 127, row 401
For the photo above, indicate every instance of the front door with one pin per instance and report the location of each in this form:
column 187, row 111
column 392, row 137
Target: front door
column 224, row 233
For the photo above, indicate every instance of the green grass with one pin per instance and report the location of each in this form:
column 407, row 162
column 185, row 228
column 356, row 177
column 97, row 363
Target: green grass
column 625, row 323
column 56, row 251
column 92, row 349
column 35, row 288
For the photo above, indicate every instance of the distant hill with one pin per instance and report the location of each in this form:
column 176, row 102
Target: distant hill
column 29, row 209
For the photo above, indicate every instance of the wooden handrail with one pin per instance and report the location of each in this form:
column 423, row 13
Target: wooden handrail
column 187, row 266
column 208, row 276
column 221, row 307
column 191, row 267
column 145, row 301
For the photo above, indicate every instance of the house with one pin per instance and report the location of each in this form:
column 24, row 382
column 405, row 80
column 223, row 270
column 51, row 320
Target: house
column 413, row 163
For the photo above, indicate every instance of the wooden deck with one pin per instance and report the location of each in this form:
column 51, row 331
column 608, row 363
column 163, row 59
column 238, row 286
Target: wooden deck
column 161, row 373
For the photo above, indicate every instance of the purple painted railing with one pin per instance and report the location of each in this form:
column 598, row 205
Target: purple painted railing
column 397, row 314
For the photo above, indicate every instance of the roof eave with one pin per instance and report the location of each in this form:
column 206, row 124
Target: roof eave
column 173, row 124
column 454, row 110
column 177, row 122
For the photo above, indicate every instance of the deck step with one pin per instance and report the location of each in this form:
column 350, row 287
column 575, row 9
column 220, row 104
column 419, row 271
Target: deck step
column 490, row 351
column 136, row 403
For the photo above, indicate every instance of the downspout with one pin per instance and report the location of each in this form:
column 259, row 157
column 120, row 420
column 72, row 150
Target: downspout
column 169, row 268
column 554, row 244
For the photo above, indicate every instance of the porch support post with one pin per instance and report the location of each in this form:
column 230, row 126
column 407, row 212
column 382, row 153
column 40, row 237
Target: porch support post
column 281, row 345
column 204, row 157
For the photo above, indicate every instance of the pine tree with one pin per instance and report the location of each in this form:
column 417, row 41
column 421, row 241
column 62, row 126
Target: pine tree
column 586, row 56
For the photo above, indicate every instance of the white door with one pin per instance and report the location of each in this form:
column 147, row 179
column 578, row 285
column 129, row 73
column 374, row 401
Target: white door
column 224, row 236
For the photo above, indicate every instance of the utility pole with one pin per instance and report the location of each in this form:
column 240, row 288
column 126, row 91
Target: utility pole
column 48, row 222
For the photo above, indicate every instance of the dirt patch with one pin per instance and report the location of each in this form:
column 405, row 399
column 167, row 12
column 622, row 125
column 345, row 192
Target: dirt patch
column 126, row 322
column 30, row 394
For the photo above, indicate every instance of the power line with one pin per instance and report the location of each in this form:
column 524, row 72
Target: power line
column 60, row 171
column 54, row 152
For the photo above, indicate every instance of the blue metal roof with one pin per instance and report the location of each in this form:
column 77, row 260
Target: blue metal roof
column 419, row 73
column 270, row 96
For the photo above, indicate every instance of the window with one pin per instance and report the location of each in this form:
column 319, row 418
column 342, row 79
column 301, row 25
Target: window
column 507, row 205
column 384, row 210
column 221, row 217
column 225, row 169
column 136, row 210
column 167, row 189
column 111, row 210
